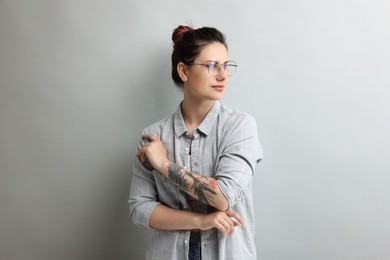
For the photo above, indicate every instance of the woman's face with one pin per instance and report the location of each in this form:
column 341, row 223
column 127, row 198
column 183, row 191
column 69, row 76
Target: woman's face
column 202, row 86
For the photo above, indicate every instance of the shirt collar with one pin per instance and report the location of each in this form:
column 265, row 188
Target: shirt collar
column 178, row 122
column 206, row 125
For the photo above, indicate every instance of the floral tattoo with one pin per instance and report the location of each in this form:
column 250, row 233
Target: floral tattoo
column 177, row 177
column 213, row 183
column 203, row 191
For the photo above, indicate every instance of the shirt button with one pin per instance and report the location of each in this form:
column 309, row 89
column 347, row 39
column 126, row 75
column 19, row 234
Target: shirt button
column 185, row 167
column 186, row 149
column 185, row 241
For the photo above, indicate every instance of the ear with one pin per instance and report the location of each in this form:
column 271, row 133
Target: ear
column 182, row 71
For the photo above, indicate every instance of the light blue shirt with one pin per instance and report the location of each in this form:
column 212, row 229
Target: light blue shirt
column 224, row 146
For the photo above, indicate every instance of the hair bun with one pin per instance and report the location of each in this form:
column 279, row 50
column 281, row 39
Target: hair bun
column 178, row 32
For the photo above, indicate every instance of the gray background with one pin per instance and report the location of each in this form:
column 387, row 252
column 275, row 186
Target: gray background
column 79, row 80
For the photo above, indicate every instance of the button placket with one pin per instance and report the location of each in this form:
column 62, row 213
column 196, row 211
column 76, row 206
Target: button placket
column 195, row 154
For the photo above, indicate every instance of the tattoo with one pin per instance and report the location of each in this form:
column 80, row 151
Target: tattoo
column 201, row 189
column 176, row 176
column 213, row 183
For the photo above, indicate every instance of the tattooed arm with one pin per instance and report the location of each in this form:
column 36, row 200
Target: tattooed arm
column 204, row 189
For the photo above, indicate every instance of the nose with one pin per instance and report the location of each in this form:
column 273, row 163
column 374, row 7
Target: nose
column 222, row 74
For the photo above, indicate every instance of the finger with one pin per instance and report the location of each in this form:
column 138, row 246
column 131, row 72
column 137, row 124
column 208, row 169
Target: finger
column 232, row 223
column 221, row 228
column 236, row 223
column 231, row 230
column 235, row 215
column 141, row 156
column 151, row 137
column 227, row 227
column 229, row 221
column 140, row 151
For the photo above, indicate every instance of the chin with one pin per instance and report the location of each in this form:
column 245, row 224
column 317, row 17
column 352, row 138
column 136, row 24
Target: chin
column 216, row 98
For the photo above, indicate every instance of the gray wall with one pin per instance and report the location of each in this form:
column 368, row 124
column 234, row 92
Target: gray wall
column 79, row 80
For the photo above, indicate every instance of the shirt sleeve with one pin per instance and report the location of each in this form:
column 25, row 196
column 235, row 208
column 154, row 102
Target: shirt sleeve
column 143, row 195
column 240, row 154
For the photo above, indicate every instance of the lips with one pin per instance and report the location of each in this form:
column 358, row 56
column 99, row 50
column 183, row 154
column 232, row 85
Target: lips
column 218, row 87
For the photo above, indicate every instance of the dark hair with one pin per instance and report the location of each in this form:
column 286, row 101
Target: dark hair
column 188, row 43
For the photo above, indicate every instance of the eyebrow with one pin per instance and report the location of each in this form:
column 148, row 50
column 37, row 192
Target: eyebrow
column 217, row 60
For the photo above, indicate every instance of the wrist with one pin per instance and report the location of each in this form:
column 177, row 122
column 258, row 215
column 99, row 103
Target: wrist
column 163, row 167
column 197, row 221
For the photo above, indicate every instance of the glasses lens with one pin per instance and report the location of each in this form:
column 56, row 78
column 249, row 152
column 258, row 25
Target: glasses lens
column 213, row 68
column 231, row 68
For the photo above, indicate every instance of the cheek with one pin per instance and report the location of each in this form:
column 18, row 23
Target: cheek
column 205, row 79
column 200, row 81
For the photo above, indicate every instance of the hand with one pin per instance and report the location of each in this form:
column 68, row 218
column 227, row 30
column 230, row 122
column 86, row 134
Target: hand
column 224, row 221
column 153, row 153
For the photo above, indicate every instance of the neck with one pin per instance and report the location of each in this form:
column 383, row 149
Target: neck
column 194, row 113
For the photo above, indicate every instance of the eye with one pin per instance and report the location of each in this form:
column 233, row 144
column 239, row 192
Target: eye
column 213, row 65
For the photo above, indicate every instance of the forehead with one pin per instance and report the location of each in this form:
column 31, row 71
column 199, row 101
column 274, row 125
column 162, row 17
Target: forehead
column 213, row 51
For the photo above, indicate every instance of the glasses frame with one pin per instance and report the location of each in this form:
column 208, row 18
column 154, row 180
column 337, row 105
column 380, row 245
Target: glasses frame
column 217, row 66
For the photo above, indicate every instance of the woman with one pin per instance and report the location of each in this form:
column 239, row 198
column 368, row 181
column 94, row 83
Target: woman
column 192, row 180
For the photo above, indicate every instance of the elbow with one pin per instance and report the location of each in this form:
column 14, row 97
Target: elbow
column 132, row 211
column 230, row 194
column 223, row 208
column 137, row 219
column 136, row 214
column 223, row 203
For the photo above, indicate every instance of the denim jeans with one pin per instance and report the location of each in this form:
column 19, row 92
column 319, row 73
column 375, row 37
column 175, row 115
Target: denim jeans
column 195, row 251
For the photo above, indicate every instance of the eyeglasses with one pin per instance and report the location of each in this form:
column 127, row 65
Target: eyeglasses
column 230, row 67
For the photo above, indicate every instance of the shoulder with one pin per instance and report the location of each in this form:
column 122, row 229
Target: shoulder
column 157, row 127
column 234, row 117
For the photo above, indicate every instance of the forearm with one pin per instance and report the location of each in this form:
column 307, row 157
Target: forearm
column 166, row 218
column 204, row 189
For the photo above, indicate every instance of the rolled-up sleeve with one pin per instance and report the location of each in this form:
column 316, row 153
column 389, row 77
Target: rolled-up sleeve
column 239, row 157
column 143, row 195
